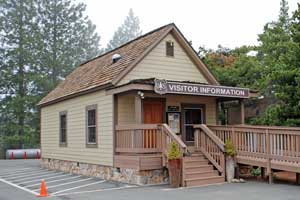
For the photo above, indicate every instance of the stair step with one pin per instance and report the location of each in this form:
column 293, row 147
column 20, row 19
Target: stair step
column 195, row 163
column 198, row 168
column 197, row 154
column 195, row 158
column 204, row 181
column 201, row 174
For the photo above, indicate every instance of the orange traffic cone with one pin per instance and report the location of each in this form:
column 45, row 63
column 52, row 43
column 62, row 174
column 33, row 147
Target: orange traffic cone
column 43, row 191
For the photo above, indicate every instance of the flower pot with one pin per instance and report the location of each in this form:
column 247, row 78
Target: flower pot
column 230, row 166
column 174, row 167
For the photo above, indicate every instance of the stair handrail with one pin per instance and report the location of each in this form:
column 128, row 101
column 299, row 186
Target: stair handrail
column 212, row 136
column 219, row 164
column 168, row 131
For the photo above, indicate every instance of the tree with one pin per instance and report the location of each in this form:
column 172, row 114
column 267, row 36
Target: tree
column 41, row 42
column 129, row 30
column 280, row 50
column 233, row 67
column 275, row 46
column 18, row 41
column 68, row 39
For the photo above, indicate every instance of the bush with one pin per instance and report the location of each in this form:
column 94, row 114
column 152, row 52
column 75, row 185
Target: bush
column 256, row 172
column 174, row 152
column 229, row 148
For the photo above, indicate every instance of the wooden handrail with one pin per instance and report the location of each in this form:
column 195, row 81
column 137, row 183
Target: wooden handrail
column 284, row 128
column 135, row 127
column 267, row 144
column 146, row 138
column 138, row 138
column 167, row 130
column 212, row 136
column 211, row 146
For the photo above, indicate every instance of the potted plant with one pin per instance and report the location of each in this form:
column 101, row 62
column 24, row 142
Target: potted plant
column 256, row 172
column 174, row 165
column 230, row 160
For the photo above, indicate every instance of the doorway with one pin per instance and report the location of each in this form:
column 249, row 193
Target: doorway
column 153, row 113
column 192, row 114
column 153, row 110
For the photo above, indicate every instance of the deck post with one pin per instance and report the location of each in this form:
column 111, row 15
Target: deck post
column 268, row 157
column 242, row 111
column 138, row 109
column 263, row 173
column 298, row 178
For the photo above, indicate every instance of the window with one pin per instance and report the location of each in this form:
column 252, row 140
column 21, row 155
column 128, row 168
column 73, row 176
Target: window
column 63, row 128
column 91, row 126
column 170, row 48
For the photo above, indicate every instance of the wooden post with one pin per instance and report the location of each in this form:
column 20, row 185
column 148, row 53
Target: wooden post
column 242, row 111
column 268, row 154
column 263, row 173
column 196, row 140
column 138, row 109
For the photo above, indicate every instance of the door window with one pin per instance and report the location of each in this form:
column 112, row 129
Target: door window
column 192, row 116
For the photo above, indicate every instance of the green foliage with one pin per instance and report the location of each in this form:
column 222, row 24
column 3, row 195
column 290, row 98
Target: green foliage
column 14, row 141
column 256, row 172
column 174, row 152
column 274, row 70
column 41, row 42
column 68, row 38
column 129, row 30
column 229, row 148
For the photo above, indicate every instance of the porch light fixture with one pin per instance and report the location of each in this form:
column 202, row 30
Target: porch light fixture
column 141, row 94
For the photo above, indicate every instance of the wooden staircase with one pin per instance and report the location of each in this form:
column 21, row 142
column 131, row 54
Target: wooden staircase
column 197, row 171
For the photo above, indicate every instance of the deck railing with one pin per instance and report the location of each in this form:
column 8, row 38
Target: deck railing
column 211, row 146
column 146, row 138
column 275, row 145
column 260, row 140
column 138, row 138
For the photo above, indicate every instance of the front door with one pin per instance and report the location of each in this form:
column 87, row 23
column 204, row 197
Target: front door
column 192, row 114
column 153, row 114
column 153, row 111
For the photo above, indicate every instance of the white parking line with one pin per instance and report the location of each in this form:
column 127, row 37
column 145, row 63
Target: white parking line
column 23, row 174
column 34, row 178
column 15, row 170
column 17, row 186
column 46, row 179
column 81, row 186
column 68, row 183
column 99, row 190
column 20, row 172
column 57, row 180
column 31, row 176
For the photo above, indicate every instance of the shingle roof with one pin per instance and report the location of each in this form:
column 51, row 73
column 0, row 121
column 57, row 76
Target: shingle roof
column 101, row 71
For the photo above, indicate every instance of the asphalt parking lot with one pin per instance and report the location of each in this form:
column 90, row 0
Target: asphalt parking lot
column 26, row 175
column 21, row 179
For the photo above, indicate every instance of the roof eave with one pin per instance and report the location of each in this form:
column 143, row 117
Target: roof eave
column 73, row 95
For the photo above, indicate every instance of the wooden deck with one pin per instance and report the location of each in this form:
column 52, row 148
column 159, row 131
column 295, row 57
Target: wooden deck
column 269, row 147
column 145, row 146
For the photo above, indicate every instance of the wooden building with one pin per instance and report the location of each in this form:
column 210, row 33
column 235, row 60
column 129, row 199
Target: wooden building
column 115, row 115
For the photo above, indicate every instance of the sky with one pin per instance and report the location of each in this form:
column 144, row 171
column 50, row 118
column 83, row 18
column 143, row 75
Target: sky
column 208, row 23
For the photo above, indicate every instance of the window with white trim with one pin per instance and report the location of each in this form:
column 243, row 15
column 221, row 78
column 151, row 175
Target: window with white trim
column 91, row 125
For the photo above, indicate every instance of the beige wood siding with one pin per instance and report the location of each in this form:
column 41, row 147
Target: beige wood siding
column 126, row 109
column 209, row 102
column 76, row 149
column 157, row 65
column 126, row 106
